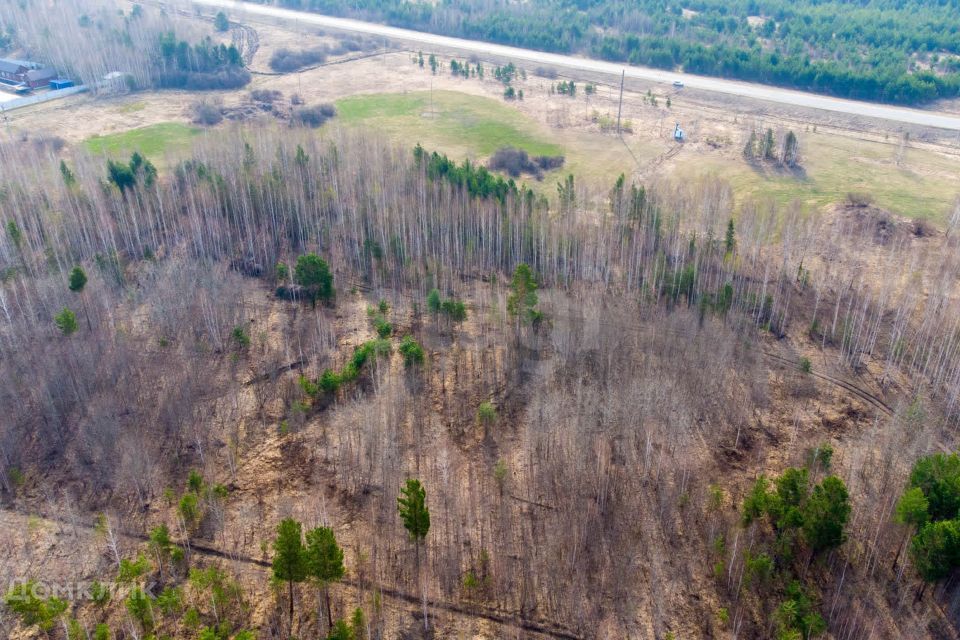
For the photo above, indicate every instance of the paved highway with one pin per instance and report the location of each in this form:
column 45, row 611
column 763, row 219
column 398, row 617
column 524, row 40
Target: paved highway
column 238, row 10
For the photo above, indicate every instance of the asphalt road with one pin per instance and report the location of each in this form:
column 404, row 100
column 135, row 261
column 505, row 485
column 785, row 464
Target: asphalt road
column 238, row 10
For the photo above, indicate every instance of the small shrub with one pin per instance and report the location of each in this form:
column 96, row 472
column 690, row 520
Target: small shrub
column 139, row 606
column 66, row 321
column 454, row 309
column 821, row 455
column 411, row 351
column 266, row 96
column 500, row 473
column 309, row 388
column 384, row 328
column 207, row 113
column 22, row 599
column 719, row 569
column 723, row 616
column 240, row 337
column 805, row 365
column 758, row 569
column 549, row 162
column 486, row 412
column 130, row 570
column 516, row 162
column 99, row 594
column 470, row 581
column 195, row 481
column 349, row 372
column 716, row 497
column 191, row 618
column 221, row 22
column 923, row 229
column 860, row 200
column 224, row 78
column 433, row 301
column 372, row 349
column 170, row 600
column 329, row 381
column 189, row 509
column 314, row 117
column 16, row 476
column 286, row 60
column 719, row 544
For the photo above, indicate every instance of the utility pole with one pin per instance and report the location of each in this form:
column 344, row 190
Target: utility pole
column 620, row 108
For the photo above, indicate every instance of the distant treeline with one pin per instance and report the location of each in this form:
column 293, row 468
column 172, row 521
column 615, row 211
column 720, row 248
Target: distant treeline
column 890, row 51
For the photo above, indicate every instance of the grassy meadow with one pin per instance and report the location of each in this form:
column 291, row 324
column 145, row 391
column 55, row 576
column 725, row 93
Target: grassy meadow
column 154, row 141
column 924, row 184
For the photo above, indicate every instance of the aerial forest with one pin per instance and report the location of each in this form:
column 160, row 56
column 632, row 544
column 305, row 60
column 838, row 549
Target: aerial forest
column 296, row 378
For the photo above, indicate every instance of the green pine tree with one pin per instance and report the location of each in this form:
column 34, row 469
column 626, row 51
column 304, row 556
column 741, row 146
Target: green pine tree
column 66, row 321
column 358, row 624
column 412, row 505
column 912, row 511
column 313, row 274
column 523, row 295
column 324, row 560
column 78, row 279
column 731, row 238
column 289, row 558
column 825, row 515
column 221, row 22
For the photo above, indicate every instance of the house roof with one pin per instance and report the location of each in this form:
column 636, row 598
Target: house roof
column 29, row 64
column 41, row 74
column 11, row 66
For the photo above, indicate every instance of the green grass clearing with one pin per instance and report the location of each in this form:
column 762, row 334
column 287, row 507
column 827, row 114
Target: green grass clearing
column 457, row 123
column 468, row 126
column 154, row 141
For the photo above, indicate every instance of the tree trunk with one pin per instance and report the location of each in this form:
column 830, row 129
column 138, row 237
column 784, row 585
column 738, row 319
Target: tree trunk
column 86, row 311
column 290, row 582
column 326, row 590
column 900, row 550
column 423, row 591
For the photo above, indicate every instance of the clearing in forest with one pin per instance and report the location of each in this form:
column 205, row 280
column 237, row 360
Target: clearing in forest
column 922, row 186
column 154, row 141
column 455, row 122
